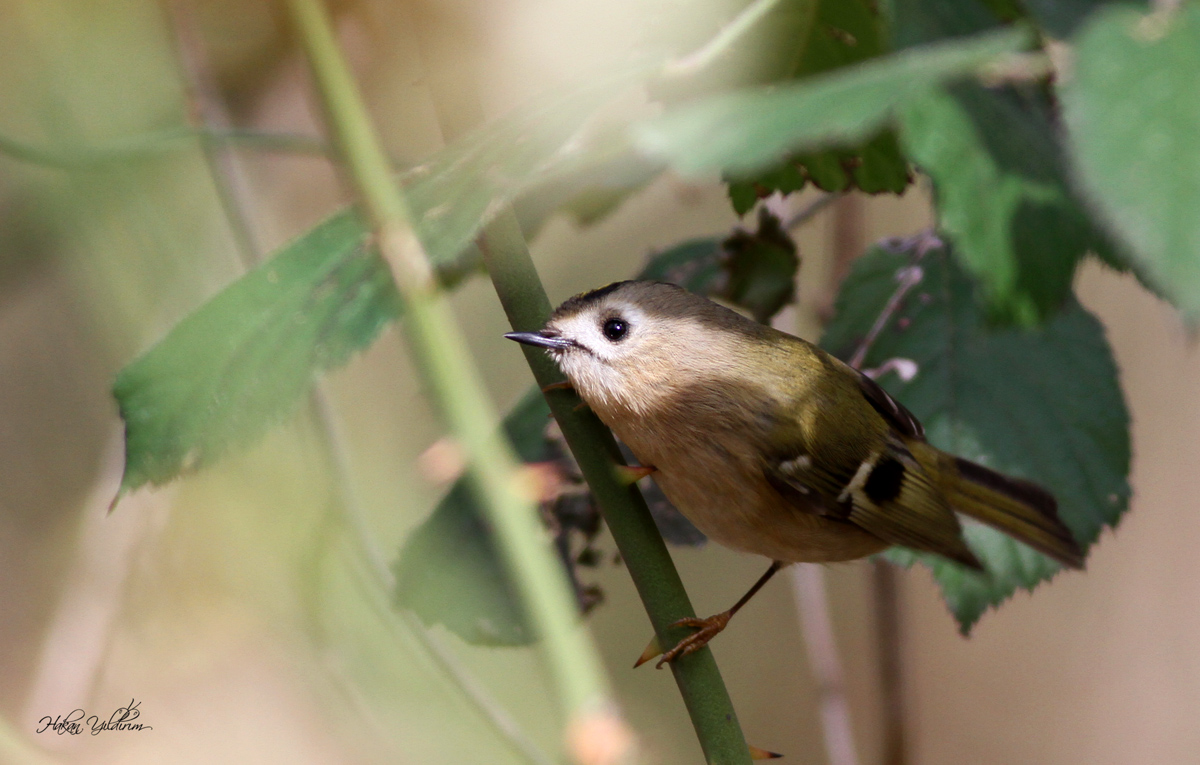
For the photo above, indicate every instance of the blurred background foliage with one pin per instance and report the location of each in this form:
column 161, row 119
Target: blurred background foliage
column 153, row 155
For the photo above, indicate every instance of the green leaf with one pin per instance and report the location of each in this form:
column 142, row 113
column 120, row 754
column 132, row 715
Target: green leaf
column 1041, row 404
column 845, row 32
column 1063, row 18
column 747, row 131
column 875, row 167
column 1133, row 123
column 1002, row 194
column 919, row 22
column 241, row 362
column 695, row 265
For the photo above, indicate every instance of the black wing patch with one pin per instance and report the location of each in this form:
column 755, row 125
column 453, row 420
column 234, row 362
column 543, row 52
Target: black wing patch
column 892, row 410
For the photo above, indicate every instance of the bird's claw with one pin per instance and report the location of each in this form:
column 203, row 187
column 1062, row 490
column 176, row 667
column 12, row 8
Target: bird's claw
column 706, row 630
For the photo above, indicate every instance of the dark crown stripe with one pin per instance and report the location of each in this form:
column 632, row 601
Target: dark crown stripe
column 584, row 299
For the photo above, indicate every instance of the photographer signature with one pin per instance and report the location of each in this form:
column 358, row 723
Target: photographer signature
column 77, row 721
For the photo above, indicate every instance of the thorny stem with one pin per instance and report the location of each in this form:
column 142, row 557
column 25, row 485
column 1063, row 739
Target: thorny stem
column 444, row 359
column 641, row 546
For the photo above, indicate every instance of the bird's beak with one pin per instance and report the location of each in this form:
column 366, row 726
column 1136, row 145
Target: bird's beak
column 543, row 338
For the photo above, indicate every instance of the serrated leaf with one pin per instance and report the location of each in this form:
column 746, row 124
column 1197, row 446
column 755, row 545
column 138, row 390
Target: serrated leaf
column 1133, row 123
column 1002, row 194
column 844, row 32
column 241, row 362
column 1040, row 404
column 747, row 131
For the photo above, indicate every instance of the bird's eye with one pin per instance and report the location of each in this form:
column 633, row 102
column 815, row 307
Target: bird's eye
column 615, row 329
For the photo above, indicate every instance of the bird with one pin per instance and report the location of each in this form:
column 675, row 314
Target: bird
column 770, row 445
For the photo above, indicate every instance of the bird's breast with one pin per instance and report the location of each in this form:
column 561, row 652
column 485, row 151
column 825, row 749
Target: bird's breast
column 716, row 480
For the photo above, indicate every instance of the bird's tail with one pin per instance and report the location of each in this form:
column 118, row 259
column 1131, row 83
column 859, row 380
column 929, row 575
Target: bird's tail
column 1023, row 510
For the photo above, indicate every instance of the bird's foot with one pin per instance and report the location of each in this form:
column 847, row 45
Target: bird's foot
column 706, row 630
column 561, row 385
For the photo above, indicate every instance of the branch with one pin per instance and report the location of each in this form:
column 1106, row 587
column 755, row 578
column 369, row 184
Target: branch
column 442, row 355
column 641, row 546
column 159, row 142
column 808, row 588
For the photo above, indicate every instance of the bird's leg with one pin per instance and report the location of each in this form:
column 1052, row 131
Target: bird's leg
column 707, row 629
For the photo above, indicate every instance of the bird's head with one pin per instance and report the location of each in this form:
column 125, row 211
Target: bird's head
column 632, row 345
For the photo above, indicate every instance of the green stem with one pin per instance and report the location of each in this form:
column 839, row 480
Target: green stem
column 444, row 358
column 159, row 142
column 624, row 509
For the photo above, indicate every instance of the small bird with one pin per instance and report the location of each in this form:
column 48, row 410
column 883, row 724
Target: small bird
column 772, row 446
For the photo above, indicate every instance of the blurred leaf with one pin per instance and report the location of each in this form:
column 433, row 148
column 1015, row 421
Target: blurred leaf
column 743, row 132
column 761, row 267
column 920, row 22
column 1063, row 18
column 768, row 50
column 240, row 363
column 449, row 570
column 589, row 189
column 695, row 265
column 1134, row 134
column 1002, row 195
column 1043, row 405
column 845, row 32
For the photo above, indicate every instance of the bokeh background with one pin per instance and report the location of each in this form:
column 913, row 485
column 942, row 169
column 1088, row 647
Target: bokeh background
column 238, row 612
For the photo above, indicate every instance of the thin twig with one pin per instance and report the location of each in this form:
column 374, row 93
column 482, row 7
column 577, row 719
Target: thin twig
column 907, row 278
column 808, row 589
column 159, row 142
column 80, row 630
column 809, row 211
column 16, row 749
column 589, row 710
column 208, row 114
column 891, row 667
column 883, row 584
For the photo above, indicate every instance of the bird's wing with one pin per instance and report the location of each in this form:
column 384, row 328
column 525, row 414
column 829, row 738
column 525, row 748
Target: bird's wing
column 883, row 489
column 901, row 420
